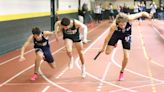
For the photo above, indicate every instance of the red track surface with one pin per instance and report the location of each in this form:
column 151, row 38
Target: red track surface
column 144, row 72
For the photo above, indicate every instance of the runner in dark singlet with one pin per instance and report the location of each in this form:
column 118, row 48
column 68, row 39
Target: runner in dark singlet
column 71, row 35
column 121, row 30
column 42, row 49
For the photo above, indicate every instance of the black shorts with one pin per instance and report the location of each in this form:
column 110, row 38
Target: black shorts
column 125, row 38
column 74, row 39
column 47, row 54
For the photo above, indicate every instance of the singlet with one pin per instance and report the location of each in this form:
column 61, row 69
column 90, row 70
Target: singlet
column 127, row 30
column 41, row 43
column 72, row 32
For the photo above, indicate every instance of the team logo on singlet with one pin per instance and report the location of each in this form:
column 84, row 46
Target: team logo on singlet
column 128, row 29
column 41, row 44
column 128, row 38
column 69, row 31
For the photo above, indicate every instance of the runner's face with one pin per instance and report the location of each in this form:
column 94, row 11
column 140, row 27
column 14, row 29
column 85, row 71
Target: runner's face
column 38, row 37
column 65, row 27
column 122, row 25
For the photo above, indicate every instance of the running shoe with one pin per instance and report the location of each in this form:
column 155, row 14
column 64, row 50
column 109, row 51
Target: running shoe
column 34, row 77
column 83, row 73
column 121, row 76
column 71, row 63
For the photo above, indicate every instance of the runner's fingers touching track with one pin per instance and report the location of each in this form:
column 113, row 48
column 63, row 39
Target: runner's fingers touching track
column 22, row 59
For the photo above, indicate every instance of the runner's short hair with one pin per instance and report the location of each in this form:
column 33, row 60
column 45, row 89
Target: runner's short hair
column 121, row 17
column 36, row 31
column 65, row 21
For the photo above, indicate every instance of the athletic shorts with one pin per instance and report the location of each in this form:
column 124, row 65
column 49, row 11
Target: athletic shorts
column 47, row 54
column 74, row 39
column 125, row 38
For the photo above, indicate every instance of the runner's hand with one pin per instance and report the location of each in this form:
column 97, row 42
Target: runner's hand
column 102, row 50
column 22, row 58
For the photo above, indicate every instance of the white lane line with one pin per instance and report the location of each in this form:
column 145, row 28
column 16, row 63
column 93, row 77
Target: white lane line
column 152, row 61
column 162, row 22
column 25, row 70
column 148, row 59
column 62, row 73
column 87, row 82
column 13, row 77
column 104, row 75
column 114, row 61
column 4, row 62
column 156, row 84
column 53, row 83
column 20, row 84
column 46, row 88
column 157, row 31
column 94, row 77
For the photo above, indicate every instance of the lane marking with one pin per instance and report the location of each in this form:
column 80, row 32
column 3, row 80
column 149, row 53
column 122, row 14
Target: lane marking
column 154, row 89
column 104, row 75
column 62, row 73
column 24, row 70
column 48, row 80
column 141, row 75
column 46, row 88
column 163, row 39
column 135, row 87
column 4, row 62
column 157, row 31
column 13, row 77
column 53, row 83
column 19, row 84
column 87, row 82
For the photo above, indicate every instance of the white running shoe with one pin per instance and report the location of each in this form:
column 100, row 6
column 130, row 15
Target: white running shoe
column 86, row 41
column 71, row 63
column 83, row 73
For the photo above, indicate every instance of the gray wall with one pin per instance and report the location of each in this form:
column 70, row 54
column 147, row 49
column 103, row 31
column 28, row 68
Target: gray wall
column 14, row 33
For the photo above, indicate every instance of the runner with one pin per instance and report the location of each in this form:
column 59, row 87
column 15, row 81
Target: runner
column 121, row 30
column 71, row 35
column 42, row 49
